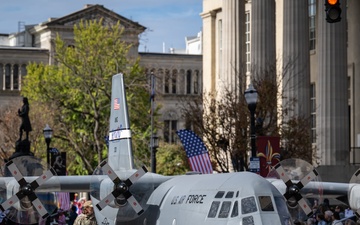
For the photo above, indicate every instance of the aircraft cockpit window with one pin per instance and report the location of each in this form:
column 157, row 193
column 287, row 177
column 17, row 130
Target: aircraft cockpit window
column 225, row 209
column 220, row 194
column 248, row 205
column 213, row 209
column 235, row 211
column 265, row 203
column 230, row 194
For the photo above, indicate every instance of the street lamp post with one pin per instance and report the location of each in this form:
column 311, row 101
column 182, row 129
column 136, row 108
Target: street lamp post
column 251, row 97
column 154, row 144
column 48, row 135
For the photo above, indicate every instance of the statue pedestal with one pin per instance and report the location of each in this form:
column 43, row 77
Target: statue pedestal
column 22, row 148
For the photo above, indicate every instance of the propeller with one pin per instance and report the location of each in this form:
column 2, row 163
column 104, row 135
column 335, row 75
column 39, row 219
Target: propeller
column 121, row 195
column 296, row 174
column 122, row 188
column 26, row 206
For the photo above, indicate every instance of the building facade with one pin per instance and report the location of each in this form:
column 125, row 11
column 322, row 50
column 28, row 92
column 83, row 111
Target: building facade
column 257, row 35
column 176, row 74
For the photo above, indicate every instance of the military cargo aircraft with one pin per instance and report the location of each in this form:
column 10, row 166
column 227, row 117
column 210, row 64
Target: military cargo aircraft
column 123, row 195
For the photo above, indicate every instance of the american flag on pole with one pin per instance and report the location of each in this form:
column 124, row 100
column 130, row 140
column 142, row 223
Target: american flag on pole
column 195, row 151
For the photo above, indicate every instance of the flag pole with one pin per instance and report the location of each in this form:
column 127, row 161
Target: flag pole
column 152, row 144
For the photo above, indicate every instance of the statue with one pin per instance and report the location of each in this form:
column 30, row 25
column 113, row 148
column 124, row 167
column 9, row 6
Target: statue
column 22, row 147
column 24, row 114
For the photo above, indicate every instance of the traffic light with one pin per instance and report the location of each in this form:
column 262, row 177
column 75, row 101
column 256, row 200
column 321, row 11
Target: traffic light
column 333, row 11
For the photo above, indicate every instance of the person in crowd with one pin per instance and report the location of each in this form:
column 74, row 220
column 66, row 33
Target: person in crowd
column 320, row 219
column 328, row 216
column 339, row 209
column 89, row 216
column 72, row 215
column 336, row 219
column 61, row 217
column 350, row 222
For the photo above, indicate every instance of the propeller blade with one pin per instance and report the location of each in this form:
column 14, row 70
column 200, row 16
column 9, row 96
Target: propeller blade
column 43, row 178
column 135, row 205
column 106, row 201
column 38, row 206
column 305, row 207
column 110, row 172
column 11, row 201
column 14, row 170
column 306, row 179
column 283, row 175
column 136, row 176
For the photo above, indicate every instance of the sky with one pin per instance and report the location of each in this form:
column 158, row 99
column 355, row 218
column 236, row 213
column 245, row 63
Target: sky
column 168, row 22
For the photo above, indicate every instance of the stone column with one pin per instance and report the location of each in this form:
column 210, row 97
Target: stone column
column 263, row 51
column 209, row 52
column 332, row 115
column 233, row 45
column 354, row 63
column 296, row 58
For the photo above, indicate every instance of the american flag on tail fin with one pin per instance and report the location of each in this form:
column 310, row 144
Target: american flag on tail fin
column 195, row 151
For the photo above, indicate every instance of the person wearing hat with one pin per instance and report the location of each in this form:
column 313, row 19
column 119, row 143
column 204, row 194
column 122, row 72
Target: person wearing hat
column 87, row 217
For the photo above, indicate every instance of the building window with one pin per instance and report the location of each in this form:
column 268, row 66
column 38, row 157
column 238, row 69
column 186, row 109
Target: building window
column 170, row 128
column 196, row 82
column 174, row 82
column 170, row 82
column 313, row 112
column 7, row 77
column 247, row 41
column 23, row 70
column 167, row 82
column 188, row 82
column 312, row 14
column 1, row 77
column 16, row 77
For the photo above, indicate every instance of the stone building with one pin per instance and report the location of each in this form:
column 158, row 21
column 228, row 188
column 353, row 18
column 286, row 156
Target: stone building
column 34, row 43
column 248, row 35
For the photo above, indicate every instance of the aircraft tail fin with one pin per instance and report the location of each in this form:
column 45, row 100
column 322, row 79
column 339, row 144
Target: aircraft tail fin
column 120, row 155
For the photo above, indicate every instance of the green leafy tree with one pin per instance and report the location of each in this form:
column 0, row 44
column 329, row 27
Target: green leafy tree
column 171, row 160
column 76, row 90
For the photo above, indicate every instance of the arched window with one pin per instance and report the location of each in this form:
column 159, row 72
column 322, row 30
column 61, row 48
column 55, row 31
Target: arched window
column 16, row 77
column 167, row 82
column 170, row 126
column 188, row 82
column 196, row 81
column 174, row 81
column 23, row 71
column 7, row 77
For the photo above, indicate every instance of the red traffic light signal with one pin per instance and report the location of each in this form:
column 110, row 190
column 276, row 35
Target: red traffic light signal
column 333, row 11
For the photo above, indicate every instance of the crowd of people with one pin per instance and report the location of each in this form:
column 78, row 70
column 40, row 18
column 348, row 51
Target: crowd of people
column 324, row 214
column 79, row 214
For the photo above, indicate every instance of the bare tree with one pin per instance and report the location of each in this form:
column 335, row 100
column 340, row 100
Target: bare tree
column 223, row 122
